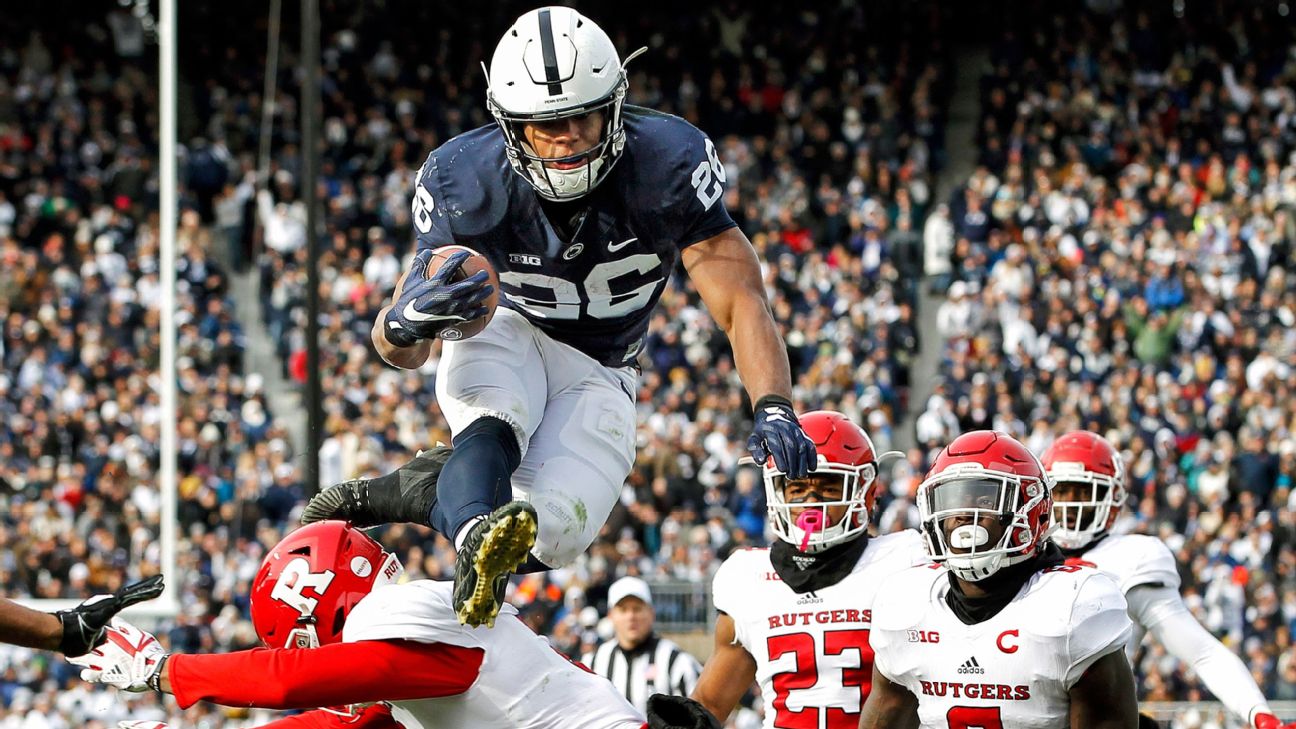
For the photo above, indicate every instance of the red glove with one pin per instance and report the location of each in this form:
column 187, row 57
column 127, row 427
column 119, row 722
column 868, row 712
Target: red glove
column 1269, row 721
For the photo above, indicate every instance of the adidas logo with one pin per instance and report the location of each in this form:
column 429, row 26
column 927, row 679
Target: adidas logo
column 803, row 562
column 971, row 666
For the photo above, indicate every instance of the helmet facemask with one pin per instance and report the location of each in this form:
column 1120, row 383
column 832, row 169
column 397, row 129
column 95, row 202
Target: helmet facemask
column 1082, row 520
column 974, row 522
column 565, row 184
column 808, row 533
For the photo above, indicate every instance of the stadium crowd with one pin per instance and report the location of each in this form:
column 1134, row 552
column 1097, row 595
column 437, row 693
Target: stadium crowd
column 1143, row 191
column 1121, row 262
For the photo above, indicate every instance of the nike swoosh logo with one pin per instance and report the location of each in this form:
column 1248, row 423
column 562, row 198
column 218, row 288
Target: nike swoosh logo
column 614, row 247
column 414, row 314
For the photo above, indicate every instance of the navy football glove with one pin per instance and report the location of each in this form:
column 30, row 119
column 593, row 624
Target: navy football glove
column 428, row 305
column 778, row 433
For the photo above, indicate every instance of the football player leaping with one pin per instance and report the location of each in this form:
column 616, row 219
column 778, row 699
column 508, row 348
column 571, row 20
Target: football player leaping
column 1000, row 632
column 342, row 634
column 795, row 617
column 1088, row 493
column 583, row 205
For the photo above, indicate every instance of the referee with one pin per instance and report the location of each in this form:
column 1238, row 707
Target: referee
column 637, row 661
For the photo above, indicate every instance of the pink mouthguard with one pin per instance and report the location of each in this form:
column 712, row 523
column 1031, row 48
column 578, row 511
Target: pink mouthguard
column 809, row 522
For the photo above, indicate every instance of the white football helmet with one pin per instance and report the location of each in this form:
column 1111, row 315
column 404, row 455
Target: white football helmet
column 552, row 64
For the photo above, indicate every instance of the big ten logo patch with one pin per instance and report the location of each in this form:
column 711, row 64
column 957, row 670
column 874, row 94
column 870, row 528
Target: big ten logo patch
column 923, row 636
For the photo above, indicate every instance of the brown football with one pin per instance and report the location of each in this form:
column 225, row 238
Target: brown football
column 476, row 262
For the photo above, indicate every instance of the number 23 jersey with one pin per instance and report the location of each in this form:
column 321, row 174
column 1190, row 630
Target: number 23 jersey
column 1014, row 669
column 593, row 281
column 813, row 660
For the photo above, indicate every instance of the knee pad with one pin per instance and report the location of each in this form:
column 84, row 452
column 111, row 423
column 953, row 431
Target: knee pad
column 567, row 527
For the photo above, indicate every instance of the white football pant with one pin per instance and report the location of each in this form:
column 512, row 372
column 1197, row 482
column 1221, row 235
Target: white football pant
column 574, row 419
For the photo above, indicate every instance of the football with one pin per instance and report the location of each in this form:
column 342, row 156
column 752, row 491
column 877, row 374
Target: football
column 476, row 262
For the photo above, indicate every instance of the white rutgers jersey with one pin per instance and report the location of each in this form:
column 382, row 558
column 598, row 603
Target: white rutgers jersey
column 1013, row 670
column 1132, row 560
column 813, row 658
column 523, row 683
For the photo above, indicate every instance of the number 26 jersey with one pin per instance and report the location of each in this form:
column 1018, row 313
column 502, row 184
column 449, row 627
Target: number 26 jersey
column 591, row 281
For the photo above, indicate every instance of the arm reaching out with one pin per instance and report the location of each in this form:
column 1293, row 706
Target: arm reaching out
column 283, row 678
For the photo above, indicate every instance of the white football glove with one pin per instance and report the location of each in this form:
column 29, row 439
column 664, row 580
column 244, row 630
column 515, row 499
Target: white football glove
column 129, row 658
column 142, row 725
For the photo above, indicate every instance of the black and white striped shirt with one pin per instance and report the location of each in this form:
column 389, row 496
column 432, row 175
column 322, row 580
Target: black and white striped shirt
column 657, row 666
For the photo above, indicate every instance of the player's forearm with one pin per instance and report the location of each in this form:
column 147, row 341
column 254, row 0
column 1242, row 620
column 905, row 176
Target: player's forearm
column 406, row 358
column 342, row 673
column 759, row 352
column 1162, row 610
column 30, row 628
column 718, row 695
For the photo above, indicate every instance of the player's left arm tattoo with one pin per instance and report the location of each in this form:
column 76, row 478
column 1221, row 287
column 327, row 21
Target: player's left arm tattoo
column 1104, row 697
column 889, row 706
column 727, row 274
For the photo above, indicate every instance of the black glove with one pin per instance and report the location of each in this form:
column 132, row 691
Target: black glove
column 678, row 712
column 404, row 495
column 777, row 432
column 428, row 305
column 83, row 625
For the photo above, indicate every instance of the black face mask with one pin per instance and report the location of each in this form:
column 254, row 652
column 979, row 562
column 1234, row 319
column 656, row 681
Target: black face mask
column 805, row 572
column 1002, row 587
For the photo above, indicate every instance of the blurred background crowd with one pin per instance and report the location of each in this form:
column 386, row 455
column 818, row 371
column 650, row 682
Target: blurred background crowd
column 1118, row 260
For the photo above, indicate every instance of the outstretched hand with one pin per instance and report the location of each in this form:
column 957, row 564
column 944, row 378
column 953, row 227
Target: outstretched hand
column 83, row 625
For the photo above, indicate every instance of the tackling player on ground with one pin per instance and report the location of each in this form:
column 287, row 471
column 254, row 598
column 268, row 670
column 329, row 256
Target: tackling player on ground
column 341, row 633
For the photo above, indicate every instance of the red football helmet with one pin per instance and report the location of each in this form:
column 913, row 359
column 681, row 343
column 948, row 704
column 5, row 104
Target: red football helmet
column 309, row 582
column 1087, row 459
column 981, row 475
column 845, row 449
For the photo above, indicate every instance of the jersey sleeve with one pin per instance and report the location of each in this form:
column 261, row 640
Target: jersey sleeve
column 1152, row 564
column 883, row 651
column 698, row 180
column 727, row 589
column 1099, row 625
column 341, row 673
column 428, row 209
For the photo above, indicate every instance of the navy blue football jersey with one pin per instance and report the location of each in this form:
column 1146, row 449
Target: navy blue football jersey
column 594, row 284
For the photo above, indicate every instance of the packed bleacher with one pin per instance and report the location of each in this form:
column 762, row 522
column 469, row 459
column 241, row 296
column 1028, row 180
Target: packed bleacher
column 1121, row 261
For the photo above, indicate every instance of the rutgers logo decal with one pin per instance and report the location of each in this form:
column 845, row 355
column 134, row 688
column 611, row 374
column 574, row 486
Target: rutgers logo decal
column 1005, row 647
column 294, row 580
